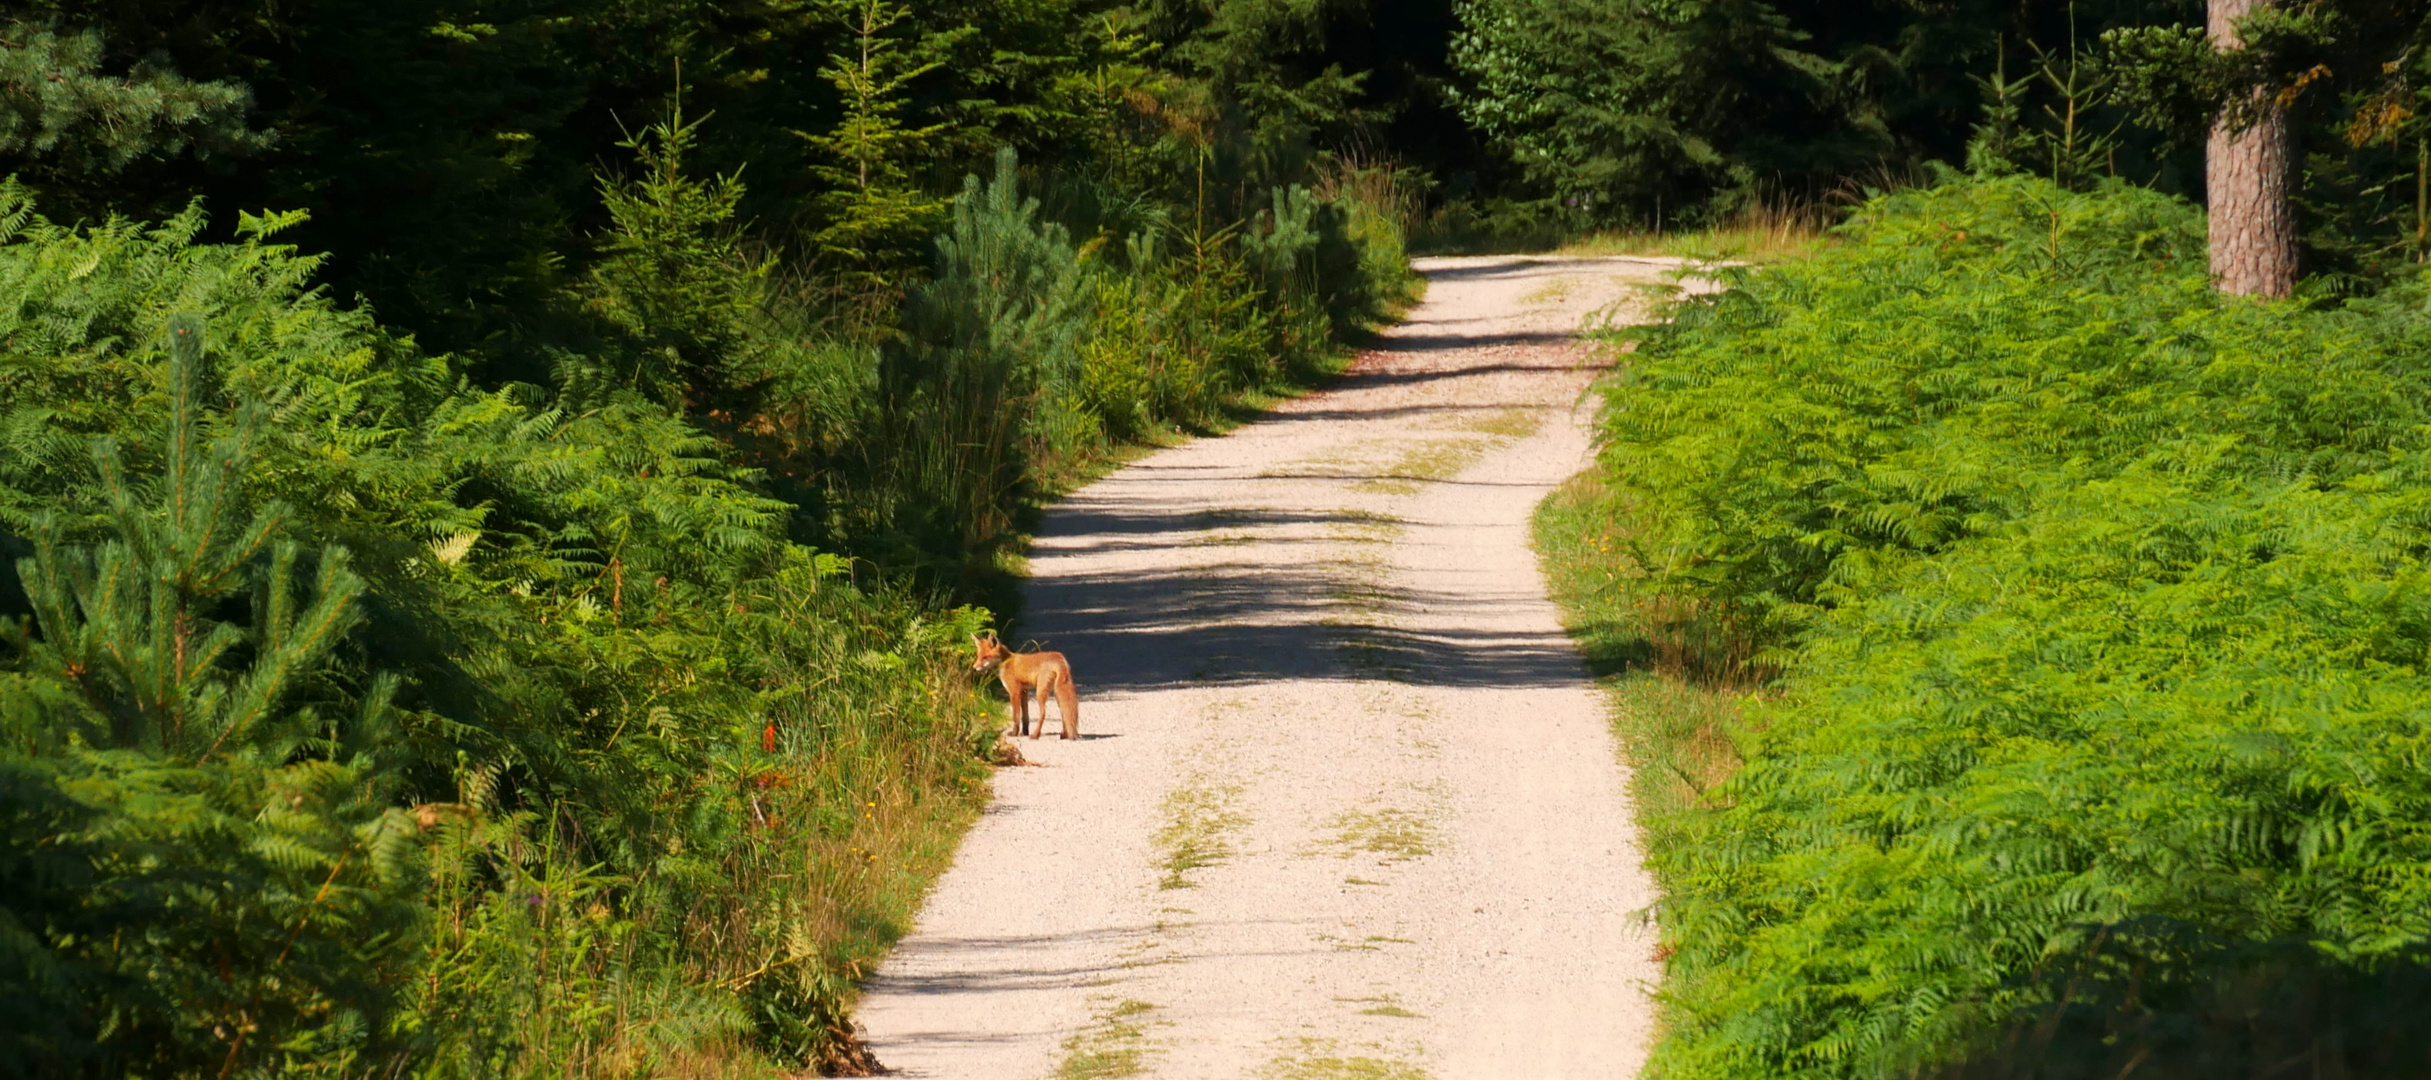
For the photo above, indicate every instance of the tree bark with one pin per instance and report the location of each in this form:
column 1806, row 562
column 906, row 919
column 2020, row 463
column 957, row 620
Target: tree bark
column 2246, row 173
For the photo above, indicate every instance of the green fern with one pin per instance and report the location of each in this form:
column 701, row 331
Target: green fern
column 217, row 802
column 2099, row 601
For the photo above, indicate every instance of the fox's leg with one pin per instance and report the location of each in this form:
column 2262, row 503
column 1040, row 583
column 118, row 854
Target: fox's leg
column 1015, row 693
column 1068, row 696
column 1045, row 686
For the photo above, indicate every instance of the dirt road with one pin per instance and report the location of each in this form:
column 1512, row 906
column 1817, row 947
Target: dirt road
column 1346, row 804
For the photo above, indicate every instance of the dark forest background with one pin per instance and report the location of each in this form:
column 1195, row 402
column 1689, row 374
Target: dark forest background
column 447, row 153
column 495, row 496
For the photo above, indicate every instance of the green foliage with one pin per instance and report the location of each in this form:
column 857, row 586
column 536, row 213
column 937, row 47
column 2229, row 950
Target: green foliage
column 446, row 152
column 1610, row 107
column 2066, row 146
column 988, row 372
column 1181, row 335
column 1973, row 294
column 2096, row 597
column 2171, row 76
column 1003, row 308
column 875, row 214
column 651, row 783
column 1622, row 114
column 57, row 106
column 184, row 814
column 1021, row 362
column 125, row 622
column 1267, row 59
column 672, row 275
column 625, row 712
column 451, row 162
column 2353, row 82
column 2180, row 81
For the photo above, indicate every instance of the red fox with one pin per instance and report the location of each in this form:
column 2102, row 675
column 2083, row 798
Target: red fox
column 1046, row 672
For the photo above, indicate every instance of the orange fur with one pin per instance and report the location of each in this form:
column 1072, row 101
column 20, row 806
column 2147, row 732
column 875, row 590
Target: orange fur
column 1045, row 674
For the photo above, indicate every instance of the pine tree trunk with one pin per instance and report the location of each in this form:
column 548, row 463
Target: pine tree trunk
column 2246, row 172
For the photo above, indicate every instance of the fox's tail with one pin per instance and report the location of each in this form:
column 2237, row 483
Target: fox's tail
column 1069, row 697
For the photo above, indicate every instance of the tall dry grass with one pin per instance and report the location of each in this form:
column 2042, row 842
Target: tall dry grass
column 1761, row 229
column 1677, row 671
column 1375, row 185
column 793, row 861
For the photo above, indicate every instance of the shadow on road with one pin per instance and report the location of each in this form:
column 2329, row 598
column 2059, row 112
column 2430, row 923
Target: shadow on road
column 1237, row 622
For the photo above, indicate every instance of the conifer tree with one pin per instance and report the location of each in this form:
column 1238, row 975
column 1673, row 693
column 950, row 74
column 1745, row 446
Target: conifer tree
column 2248, row 163
column 205, row 866
column 2067, row 144
column 56, row 105
column 127, row 622
column 992, row 356
column 673, row 274
column 1005, row 308
column 875, row 215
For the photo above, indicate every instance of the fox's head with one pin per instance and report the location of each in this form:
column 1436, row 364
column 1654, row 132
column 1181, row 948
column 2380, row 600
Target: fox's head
column 991, row 652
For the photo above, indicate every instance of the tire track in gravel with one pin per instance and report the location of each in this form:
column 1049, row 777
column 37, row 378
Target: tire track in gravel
column 1346, row 804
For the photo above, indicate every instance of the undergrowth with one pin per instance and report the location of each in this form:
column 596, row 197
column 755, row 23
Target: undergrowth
column 1757, row 230
column 2021, row 649
column 363, row 720
column 1761, row 231
column 356, row 718
column 1675, row 695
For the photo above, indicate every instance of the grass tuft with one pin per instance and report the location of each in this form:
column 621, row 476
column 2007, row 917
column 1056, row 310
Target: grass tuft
column 1116, row 1046
column 1318, row 1060
column 1675, row 685
column 1763, row 231
column 1509, row 423
column 1383, row 1005
column 1395, row 834
column 1200, row 818
column 1433, row 460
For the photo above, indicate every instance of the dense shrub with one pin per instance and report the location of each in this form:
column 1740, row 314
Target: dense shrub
column 582, row 703
column 356, row 716
column 1963, row 351
column 1021, row 362
column 2099, row 600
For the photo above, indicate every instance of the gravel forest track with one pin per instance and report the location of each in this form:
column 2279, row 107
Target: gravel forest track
column 1346, row 803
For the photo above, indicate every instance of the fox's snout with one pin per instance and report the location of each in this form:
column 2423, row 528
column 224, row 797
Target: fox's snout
column 986, row 653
